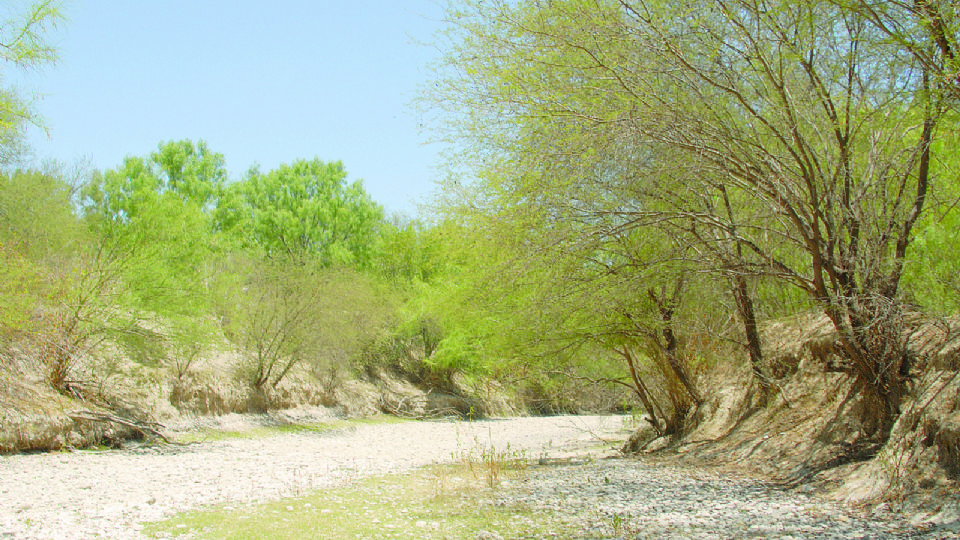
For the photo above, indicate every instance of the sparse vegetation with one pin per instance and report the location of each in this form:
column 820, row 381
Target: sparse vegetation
column 491, row 465
column 211, row 434
column 444, row 501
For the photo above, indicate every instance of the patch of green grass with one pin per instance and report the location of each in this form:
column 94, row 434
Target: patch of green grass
column 444, row 501
column 209, row 435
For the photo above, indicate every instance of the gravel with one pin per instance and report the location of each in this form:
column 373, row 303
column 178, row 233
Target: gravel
column 109, row 494
column 640, row 499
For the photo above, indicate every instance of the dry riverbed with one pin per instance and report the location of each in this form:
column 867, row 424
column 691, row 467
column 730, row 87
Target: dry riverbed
column 111, row 494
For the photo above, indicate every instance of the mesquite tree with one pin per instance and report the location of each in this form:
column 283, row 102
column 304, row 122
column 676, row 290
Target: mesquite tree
column 782, row 139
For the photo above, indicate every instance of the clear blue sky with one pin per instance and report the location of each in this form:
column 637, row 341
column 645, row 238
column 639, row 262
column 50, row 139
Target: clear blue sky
column 261, row 82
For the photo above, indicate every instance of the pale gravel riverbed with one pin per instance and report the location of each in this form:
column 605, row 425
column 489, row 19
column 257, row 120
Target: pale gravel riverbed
column 109, row 494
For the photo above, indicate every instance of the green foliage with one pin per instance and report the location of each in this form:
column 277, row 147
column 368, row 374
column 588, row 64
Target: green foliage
column 193, row 172
column 142, row 261
column 460, row 350
column 619, row 153
column 24, row 31
column 178, row 171
column 934, row 272
column 57, row 282
column 42, row 244
column 23, row 34
column 21, row 282
column 35, row 218
column 39, row 233
column 408, row 251
column 157, row 209
column 161, row 256
column 932, row 276
column 171, row 247
column 308, row 212
column 80, row 309
column 36, row 214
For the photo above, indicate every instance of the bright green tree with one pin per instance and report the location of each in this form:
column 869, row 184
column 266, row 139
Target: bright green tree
column 34, row 219
column 409, row 251
column 35, row 215
column 178, row 170
column 159, row 206
column 541, row 296
column 150, row 256
column 307, row 211
column 39, row 235
column 933, row 271
column 59, row 288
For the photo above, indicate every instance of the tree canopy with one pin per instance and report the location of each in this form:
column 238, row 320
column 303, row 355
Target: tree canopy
column 308, row 210
column 790, row 141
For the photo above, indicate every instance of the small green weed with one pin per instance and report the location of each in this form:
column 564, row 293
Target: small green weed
column 488, row 463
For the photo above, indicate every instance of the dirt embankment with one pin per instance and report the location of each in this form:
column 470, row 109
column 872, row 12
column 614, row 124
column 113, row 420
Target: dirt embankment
column 126, row 400
column 805, row 436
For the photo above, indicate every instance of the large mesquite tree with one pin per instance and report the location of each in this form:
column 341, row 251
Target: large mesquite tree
column 783, row 139
column 157, row 208
column 308, row 211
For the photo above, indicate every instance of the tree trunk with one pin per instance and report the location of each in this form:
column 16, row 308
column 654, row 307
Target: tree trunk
column 868, row 316
column 745, row 308
column 671, row 345
column 657, row 419
column 748, row 317
column 873, row 338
